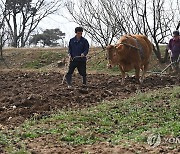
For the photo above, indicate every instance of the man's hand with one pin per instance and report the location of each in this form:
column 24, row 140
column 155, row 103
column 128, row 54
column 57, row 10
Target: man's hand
column 169, row 51
column 82, row 55
column 70, row 58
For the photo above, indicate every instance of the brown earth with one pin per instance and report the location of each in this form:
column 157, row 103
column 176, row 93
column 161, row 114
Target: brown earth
column 40, row 146
column 25, row 94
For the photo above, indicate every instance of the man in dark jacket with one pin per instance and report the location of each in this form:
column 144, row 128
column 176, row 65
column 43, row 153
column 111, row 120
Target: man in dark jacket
column 174, row 46
column 78, row 50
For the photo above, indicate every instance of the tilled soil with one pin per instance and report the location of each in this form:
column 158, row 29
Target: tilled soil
column 25, row 94
column 40, row 146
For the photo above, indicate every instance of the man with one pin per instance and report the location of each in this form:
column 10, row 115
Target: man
column 174, row 46
column 78, row 50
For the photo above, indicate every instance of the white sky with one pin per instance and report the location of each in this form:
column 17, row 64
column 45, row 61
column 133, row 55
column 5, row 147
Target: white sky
column 67, row 27
column 64, row 24
column 57, row 21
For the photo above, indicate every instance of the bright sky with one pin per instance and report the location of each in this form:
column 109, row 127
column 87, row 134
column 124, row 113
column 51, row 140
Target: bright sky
column 56, row 21
column 64, row 24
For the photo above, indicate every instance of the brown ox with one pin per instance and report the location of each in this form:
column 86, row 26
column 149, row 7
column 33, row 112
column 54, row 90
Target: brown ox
column 131, row 52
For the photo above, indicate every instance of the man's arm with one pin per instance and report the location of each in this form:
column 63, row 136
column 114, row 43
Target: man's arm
column 170, row 45
column 70, row 49
column 86, row 47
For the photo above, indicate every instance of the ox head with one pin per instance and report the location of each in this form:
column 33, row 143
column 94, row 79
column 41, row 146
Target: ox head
column 113, row 55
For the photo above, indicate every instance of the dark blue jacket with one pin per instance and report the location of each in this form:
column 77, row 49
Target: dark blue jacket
column 77, row 47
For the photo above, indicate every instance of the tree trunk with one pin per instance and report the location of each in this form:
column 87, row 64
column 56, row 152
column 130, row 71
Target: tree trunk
column 1, row 52
column 157, row 52
column 159, row 55
column 178, row 25
column 166, row 56
column 22, row 41
column 15, row 37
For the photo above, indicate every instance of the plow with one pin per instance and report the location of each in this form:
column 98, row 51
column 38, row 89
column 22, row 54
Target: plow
column 169, row 66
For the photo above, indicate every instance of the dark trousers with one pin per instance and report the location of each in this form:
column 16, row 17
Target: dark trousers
column 81, row 67
column 175, row 60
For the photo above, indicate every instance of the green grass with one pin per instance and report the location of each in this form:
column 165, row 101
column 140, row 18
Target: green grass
column 36, row 59
column 131, row 120
column 3, row 139
column 99, row 63
column 43, row 59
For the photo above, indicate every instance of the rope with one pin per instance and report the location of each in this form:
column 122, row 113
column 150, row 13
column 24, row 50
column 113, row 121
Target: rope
column 129, row 45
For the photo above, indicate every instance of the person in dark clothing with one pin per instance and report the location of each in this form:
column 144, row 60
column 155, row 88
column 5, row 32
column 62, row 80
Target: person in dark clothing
column 78, row 50
column 174, row 47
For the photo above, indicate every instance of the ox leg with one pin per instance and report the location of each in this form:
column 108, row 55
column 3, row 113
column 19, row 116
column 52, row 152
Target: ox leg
column 145, row 67
column 137, row 72
column 123, row 75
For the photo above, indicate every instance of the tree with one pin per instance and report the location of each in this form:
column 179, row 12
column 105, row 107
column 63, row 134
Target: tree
column 49, row 37
column 25, row 15
column 95, row 19
column 178, row 25
column 106, row 21
column 153, row 20
column 4, row 34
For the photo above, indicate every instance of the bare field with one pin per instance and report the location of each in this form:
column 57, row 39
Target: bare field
column 32, row 89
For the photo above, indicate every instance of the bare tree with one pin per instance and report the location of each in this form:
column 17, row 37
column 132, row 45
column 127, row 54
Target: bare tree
column 156, row 22
column 178, row 12
column 106, row 20
column 100, row 24
column 4, row 35
column 148, row 17
column 25, row 15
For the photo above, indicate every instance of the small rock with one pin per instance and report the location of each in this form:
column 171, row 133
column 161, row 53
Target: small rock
column 60, row 63
column 83, row 91
column 14, row 107
column 108, row 92
column 2, row 109
column 9, row 118
column 2, row 127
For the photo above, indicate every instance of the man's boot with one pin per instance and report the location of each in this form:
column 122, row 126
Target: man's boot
column 69, row 79
column 84, row 80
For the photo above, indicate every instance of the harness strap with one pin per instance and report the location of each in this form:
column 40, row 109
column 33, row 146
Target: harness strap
column 141, row 52
column 129, row 45
column 139, row 46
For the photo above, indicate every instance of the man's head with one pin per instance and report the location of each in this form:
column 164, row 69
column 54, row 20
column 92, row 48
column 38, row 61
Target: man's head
column 78, row 31
column 176, row 34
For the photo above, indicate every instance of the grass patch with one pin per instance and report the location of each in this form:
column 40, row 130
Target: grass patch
column 35, row 58
column 43, row 59
column 99, row 63
column 132, row 120
column 3, row 139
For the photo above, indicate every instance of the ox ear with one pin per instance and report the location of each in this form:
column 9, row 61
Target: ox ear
column 119, row 46
column 109, row 47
